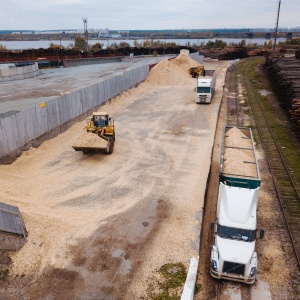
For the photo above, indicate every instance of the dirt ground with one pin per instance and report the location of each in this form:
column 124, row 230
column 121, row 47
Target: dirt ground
column 99, row 226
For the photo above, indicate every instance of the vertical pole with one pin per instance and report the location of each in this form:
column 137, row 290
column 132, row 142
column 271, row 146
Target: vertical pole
column 276, row 30
column 86, row 34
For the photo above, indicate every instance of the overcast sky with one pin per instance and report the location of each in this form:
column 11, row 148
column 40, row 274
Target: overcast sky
column 143, row 14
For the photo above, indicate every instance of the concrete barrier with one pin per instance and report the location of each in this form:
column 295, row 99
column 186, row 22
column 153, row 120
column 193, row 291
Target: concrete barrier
column 31, row 127
column 9, row 72
column 190, row 282
column 197, row 57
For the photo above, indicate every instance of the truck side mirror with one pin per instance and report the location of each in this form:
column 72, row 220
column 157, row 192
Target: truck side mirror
column 261, row 234
column 212, row 226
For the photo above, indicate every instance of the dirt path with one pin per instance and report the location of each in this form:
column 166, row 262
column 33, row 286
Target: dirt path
column 100, row 225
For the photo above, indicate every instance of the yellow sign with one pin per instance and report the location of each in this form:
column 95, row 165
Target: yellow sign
column 43, row 104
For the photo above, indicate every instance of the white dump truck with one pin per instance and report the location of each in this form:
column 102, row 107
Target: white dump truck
column 233, row 254
column 206, row 83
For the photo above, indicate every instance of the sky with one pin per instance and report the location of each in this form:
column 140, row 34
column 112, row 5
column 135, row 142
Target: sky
column 146, row 15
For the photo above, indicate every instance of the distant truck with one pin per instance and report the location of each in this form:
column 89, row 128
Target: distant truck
column 233, row 255
column 206, row 86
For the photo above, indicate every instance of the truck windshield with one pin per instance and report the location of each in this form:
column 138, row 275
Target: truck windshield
column 236, row 233
column 203, row 89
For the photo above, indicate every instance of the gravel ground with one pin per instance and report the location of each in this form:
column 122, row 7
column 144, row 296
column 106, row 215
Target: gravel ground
column 100, row 225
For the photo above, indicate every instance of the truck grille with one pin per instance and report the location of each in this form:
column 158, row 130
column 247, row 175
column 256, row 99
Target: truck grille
column 233, row 268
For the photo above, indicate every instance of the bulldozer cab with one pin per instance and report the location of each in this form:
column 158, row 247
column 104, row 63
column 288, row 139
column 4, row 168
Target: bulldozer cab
column 100, row 119
column 102, row 124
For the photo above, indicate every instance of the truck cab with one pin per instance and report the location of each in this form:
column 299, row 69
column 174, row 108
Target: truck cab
column 233, row 254
column 206, row 87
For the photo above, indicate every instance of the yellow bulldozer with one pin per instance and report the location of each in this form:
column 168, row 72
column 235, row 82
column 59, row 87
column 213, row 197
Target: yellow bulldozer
column 99, row 135
column 197, row 71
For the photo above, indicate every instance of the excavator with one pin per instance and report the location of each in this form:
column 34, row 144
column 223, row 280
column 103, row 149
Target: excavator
column 99, row 135
column 197, row 71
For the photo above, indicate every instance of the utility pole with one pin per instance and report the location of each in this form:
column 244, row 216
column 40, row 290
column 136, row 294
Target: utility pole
column 276, row 30
column 86, row 34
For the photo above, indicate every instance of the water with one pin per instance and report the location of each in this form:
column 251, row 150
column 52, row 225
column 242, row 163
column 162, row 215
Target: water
column 20, row 45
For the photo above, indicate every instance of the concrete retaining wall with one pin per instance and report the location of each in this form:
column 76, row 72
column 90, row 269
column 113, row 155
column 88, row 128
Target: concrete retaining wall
column 11, row 72
column 28, row 128
column 197, row 57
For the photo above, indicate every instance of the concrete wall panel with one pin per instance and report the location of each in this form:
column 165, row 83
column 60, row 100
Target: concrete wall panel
column 197, row 57
column 20, row 71
column 26, row 123
column 5, row 72
column 100, row 87
column 41, row 121
column 64, row 109
column 53, row 118
column 13, row 71
column 4, row 147
column 9, row 135
column 76, row 106
column 86, row 98
column 106, row 88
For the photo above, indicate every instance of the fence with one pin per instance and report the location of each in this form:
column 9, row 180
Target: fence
column 20, row 131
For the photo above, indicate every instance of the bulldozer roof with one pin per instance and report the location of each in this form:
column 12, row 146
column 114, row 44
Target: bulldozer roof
column 100, row 113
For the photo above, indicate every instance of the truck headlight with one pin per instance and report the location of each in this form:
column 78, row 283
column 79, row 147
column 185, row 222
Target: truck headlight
column 214, row 265
column 252, row 271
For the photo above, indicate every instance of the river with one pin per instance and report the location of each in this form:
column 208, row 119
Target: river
column 20, row 45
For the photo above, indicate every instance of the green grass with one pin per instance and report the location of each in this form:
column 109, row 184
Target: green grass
column 170, row 283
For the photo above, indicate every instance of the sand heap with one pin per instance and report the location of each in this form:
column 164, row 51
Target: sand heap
column 239, row 160
column 173, row 72
column 90, row 140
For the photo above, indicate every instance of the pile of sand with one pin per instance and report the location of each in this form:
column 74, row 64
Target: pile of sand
column 236, row 138
column 90, row 140
column 173, row 72
column 240, row 159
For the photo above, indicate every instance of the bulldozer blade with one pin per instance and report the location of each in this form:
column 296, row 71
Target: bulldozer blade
column 92, row 143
